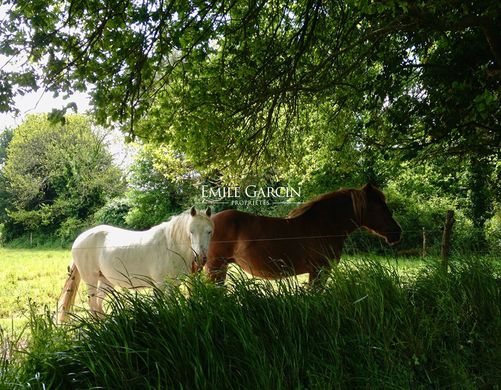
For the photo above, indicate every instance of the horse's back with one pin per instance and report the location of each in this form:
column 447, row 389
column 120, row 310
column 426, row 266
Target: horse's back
column 238, row 231
column 95, row 238
column 90, row 234
column 112, row 237
column 231, row 225
column 126, row 257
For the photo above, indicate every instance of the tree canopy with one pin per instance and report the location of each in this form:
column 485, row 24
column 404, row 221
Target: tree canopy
column 246, row 82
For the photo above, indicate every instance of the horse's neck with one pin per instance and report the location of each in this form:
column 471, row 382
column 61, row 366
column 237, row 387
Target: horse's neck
column 331, row 215
column 175, row 230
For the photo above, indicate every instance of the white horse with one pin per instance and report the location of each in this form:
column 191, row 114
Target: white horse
column 106, row 257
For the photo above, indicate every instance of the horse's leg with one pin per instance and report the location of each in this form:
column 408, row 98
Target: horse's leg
column 217, row 269
column 97, row 290
column 92, row 294
column 104, row 287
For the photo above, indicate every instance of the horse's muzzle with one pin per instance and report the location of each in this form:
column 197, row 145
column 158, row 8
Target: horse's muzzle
column 198, row 263
column 394, row 238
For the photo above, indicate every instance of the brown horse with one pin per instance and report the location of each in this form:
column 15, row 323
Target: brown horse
column 303, row 242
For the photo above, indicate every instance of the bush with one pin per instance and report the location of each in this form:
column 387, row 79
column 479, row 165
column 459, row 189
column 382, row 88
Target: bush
column 149, row 208
column 161, row 184
column 55, row 174
column 113, row 213
column 69, row 229
column 36, row 240
column 493, row 232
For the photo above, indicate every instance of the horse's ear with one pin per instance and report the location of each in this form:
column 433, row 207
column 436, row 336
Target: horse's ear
column 208, row 211
column 193, row 211
column 368, row 187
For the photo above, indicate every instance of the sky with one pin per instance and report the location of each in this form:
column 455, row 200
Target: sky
column 40, row 102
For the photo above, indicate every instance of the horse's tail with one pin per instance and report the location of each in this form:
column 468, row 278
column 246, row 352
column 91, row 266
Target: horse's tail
column 67, row 297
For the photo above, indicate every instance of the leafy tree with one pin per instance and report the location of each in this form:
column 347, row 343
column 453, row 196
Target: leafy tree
column 161, row 184
column 113, row 213
column 246, row 76
column 56, row 173
column 5, row 138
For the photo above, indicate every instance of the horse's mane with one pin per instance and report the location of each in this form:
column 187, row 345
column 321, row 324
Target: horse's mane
column 175, row 228
column 358, row 198
column 306, row 206
column 178, row 223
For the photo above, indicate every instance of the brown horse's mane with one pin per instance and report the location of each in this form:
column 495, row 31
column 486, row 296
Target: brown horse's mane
column 306, row 206
column 358, row 198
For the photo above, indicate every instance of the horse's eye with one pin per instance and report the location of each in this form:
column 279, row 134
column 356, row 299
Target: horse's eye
column 209, row 233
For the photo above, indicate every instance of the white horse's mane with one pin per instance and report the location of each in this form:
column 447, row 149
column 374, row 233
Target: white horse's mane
column 176, row 228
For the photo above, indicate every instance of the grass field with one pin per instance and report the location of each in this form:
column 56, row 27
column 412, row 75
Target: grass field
column 373, row 326
column 29, row 275
column 37, row 275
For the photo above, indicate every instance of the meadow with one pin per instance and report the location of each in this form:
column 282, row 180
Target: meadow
column 37, row 276
column 379, row 323
column 29, row 275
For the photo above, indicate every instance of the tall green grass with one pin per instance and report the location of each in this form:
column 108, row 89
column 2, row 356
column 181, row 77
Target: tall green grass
column 368, row 328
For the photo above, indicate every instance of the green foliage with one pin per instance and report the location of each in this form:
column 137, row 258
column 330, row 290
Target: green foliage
column 318, row 95
column 161, row 184
column 243, row 83
column 493, row 232
column 113, row 212
column 5, row 138
column 417, row 211
column 56, row 176
column 45, row 337
column 70, row 228
column 368, row 328
column 480, row 197
column 420, row 197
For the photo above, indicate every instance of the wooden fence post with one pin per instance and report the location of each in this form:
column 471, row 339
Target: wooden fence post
column 446, row 239
column 423, row 252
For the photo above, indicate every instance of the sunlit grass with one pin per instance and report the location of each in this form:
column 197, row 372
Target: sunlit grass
column 38, row 275
column 30, row 275
column 406, row 267
column 371, row 327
